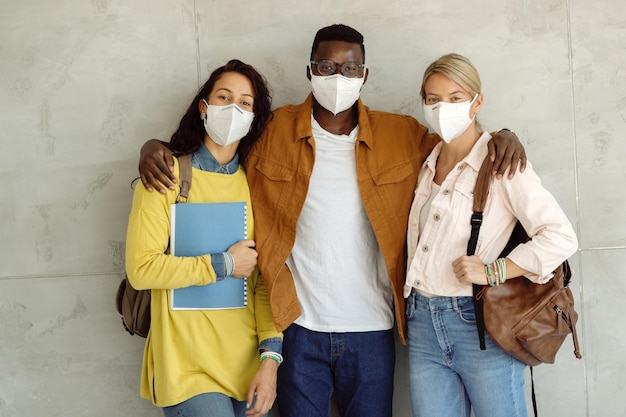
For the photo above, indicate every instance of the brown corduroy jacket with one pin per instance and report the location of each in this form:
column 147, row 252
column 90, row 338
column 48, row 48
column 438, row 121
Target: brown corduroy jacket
column 390, row 150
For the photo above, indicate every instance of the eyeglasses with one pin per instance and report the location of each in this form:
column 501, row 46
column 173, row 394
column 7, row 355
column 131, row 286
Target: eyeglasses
column 349, row 69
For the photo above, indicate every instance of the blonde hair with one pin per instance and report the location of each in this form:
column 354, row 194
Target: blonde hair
column 456, row 67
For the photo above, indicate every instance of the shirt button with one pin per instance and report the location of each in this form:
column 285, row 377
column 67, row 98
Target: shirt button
column 437, row 217
column 460, row 166
column 417, row 282
column 425, row 248
column 446, row 192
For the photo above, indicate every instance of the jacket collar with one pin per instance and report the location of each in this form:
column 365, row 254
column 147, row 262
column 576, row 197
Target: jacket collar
column 474, row 158
column 365, row 131
column 303, row 124
column 204, row 160
column 479, row 151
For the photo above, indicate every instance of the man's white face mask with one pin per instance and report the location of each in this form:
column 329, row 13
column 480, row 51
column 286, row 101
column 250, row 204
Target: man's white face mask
column 336, row 93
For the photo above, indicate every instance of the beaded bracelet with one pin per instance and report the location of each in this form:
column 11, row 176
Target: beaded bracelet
column 229, row 264
column 489, row 275
column 272, row 355
column 501, row 265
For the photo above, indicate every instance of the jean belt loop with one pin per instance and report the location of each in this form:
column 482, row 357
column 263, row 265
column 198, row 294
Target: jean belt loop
column 455, row 304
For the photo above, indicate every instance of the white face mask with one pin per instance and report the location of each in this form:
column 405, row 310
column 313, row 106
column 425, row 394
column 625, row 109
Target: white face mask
column 336, row 93
column 449, row 120
column 227, row 124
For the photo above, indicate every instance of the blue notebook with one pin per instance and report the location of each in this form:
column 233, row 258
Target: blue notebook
column 199, row 229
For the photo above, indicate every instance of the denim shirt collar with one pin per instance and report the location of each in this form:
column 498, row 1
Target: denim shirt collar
column 204, row 160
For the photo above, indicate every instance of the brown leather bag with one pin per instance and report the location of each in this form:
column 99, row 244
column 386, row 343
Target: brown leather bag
column 134, row 305
column 529, row 321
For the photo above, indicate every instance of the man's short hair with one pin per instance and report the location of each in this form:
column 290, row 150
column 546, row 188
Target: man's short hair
column 338, row 32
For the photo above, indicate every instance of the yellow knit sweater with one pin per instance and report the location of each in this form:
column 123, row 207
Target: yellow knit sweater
column 192, row 352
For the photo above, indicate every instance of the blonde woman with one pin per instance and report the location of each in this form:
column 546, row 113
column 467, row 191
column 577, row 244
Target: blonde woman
column 449, row 374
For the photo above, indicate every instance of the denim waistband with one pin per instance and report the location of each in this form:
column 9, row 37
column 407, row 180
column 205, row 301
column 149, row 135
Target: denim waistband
column 439, row 303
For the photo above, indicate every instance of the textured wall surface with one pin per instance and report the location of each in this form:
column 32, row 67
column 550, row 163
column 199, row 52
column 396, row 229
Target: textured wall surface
column 84, row 83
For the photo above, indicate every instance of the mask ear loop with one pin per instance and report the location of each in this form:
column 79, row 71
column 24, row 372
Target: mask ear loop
column 203, row 115
column 472, row 102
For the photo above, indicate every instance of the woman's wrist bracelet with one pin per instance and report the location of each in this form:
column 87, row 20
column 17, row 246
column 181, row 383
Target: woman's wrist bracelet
column 489, row 274
column 272, row 355
column 229, row 264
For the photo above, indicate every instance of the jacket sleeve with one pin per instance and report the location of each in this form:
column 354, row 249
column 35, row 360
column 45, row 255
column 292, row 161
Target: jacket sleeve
column 553, row 239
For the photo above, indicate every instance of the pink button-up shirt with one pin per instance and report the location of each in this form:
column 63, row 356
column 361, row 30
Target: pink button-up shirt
column 447, row 228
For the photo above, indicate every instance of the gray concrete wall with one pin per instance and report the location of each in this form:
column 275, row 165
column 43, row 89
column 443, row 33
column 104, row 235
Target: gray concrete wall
column 84, row 83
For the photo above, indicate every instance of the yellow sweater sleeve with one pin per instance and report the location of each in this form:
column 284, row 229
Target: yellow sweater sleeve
column 263, row 312
column 148, row 266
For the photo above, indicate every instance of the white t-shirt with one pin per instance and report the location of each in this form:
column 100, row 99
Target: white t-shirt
column 338, row 268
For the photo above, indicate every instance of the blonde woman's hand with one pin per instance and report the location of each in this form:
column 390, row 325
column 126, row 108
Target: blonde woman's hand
column 245, row 257
column 470, row 269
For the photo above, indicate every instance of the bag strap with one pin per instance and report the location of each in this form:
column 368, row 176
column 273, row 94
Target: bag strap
column 483, row 182
column 481, row 192
column 184, row 161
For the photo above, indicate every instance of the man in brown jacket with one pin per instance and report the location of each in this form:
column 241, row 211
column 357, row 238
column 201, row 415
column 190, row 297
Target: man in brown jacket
column 331, row 184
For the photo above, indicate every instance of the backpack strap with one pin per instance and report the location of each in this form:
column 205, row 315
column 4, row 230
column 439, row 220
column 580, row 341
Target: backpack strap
column 184, row 162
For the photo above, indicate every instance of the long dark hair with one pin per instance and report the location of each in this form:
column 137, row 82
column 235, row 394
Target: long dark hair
column 190, row 133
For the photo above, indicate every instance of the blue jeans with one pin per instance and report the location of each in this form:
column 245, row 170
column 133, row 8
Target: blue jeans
column 357, row 368
column 208, row 405
column 448, row 373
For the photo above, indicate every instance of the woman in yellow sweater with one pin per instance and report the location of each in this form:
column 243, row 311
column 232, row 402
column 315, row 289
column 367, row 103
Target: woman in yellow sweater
column 207, row 362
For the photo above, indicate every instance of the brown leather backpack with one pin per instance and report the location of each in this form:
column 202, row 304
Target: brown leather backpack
column 134, row 305
column 529, row 321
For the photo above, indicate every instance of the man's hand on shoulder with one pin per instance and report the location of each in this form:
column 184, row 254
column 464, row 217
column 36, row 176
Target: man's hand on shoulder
column 506, row 150
column 156, row 166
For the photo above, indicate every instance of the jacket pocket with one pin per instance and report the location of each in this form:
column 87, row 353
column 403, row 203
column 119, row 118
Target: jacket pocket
column 391, row 195
column 270, row 187
column 394, row 174
column 465, row 188
column 274, row 171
